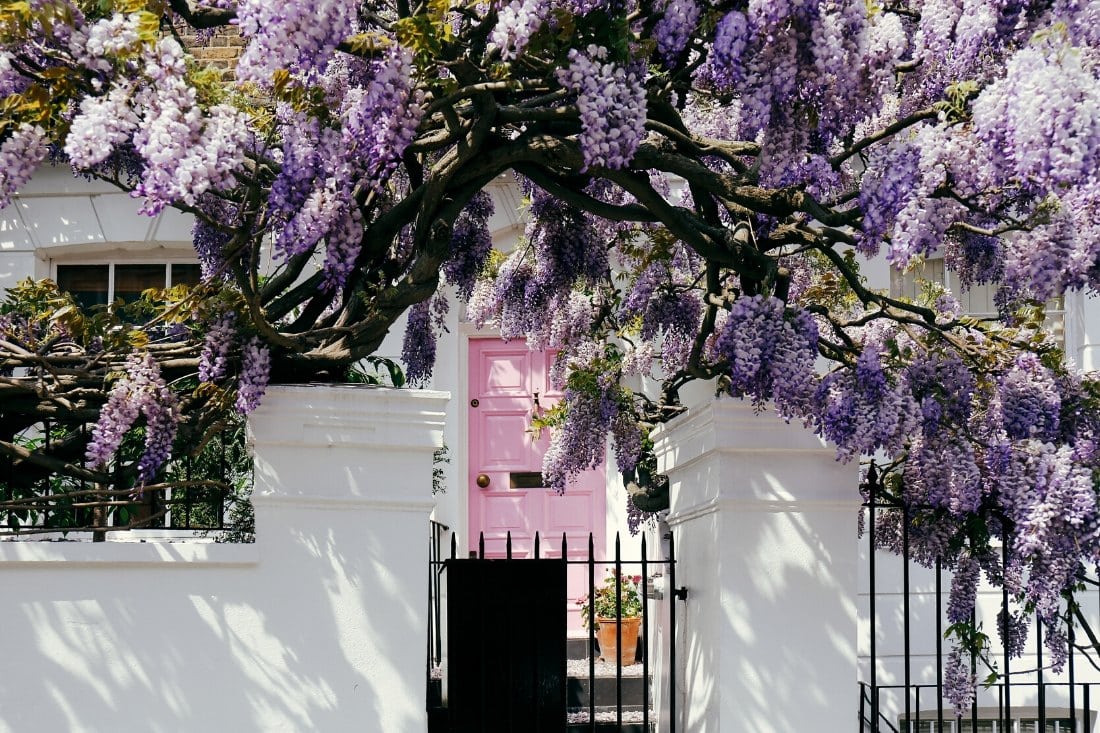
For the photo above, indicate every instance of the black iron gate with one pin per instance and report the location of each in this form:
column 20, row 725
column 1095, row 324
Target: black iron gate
column 506, row 645
column 1026, row 696
column 505, row 640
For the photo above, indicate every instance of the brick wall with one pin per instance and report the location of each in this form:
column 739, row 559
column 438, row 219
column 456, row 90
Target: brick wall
column 219, row 51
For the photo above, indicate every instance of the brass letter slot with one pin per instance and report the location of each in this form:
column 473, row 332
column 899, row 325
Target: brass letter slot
column 526, row 480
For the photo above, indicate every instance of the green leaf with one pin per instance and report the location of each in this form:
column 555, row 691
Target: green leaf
column 138, row 339
column 397, row 376
column 367, row 44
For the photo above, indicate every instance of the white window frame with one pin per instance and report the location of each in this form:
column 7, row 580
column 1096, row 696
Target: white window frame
column 113, row 262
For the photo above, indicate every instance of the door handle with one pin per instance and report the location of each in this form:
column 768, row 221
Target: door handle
column 483, row 480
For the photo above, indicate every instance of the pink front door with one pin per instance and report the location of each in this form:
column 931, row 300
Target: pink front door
column 506, row 381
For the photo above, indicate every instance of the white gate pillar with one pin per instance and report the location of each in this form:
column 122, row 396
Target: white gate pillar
column 764, row 521
column 343, row 495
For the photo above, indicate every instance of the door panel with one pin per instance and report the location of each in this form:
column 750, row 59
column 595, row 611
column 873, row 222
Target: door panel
column 504, row 381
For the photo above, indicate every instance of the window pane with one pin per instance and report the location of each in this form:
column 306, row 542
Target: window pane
column 131, row 280
column 185, row 274
column 908, row 285
column 87, row 283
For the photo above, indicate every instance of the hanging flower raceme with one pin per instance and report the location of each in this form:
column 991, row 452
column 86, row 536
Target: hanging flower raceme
column 1030, row 403
column 219, row 340
column 140, row 391
column 1051, row 502
column 471, row 243
column 612, row 104
column 426, row 321
column 314, row 191
column 593, row 404
column 516, row 23
column 863, row 409
column 255, row 374
column 578, row 443
column 380, row 120
column 20, row 155
column 771, row 353
column 675, row 28
column 296, row 36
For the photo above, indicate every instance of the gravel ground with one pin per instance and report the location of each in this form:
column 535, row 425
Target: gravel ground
column 579, row 668
column 581, row 716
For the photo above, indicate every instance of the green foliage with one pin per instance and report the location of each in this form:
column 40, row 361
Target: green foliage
column 828, row 287
column 956, row 105
column 52, row 313
column 604, row 605
column 385, row 372
column 426, row 33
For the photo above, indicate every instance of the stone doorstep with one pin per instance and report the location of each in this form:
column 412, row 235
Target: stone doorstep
column 606, row 695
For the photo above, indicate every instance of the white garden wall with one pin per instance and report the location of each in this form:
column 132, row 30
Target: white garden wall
column 319, row 626
column 764, row 521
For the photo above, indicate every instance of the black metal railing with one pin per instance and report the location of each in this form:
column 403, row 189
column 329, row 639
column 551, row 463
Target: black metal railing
column 586, row 717
column 205, row 491
column 1023, row 696
column 932, row 717
column 435, row 596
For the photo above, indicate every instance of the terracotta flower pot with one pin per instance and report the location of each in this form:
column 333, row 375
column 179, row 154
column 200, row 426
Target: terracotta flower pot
column 608, row 636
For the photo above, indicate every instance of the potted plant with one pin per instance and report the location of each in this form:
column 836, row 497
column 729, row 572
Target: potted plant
column 600, row 611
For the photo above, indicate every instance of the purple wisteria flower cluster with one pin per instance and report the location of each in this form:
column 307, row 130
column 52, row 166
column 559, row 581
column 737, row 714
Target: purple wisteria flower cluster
column 255, row 374
column 224, row 340
column 516, row 23
column 612, row 103
column 314, row 192
column 186, row 150
column 298, row 36
column 220, row 337
column 676, row 27
column 592, row 407
column 20, row 154
column 425, row 322
column 770, row 355
column 140, row 392
column 471, row 243
column 546, row 291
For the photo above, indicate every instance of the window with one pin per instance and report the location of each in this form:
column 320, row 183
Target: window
column 977, row 301
column 100, row 284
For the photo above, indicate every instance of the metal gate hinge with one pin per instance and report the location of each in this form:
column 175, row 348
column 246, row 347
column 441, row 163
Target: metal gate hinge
column 681, row 593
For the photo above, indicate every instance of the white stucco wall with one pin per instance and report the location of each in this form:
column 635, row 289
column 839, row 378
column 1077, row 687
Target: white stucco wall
column 319, row 626
column 764, row 521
